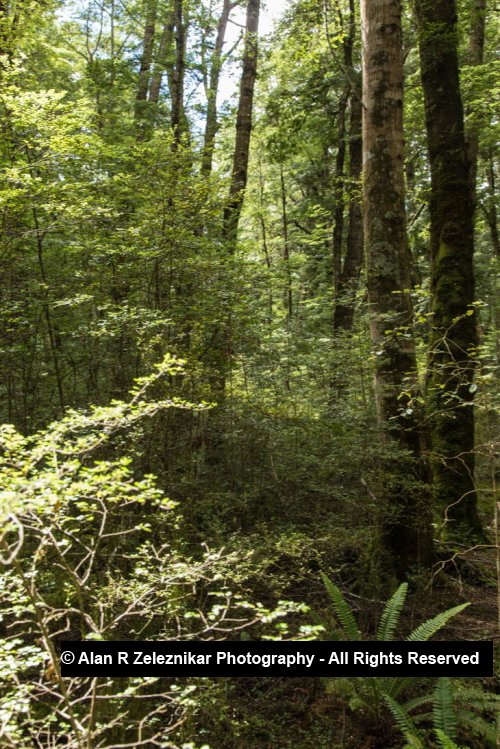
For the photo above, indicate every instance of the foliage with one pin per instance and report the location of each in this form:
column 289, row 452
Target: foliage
column 370, row 695
column 91, row 552
column 130, row 506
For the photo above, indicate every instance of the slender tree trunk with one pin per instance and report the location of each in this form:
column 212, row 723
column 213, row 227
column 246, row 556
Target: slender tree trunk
column 347, row 271
column 213, row 88
column 351, row 269
column 162, row 60
column 476, row 57
column 406, row 521
column 450, row 390
column 221, row 344
column 145, row 70
column 178, row 114
column 490, row 205
column 243, row 126
column 287, row 292
column 338, row 213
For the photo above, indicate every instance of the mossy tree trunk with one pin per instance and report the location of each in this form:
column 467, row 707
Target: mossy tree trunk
column 450, row 386
column 406, row 518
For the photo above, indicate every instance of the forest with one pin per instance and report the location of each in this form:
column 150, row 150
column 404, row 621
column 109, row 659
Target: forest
column 249, row 358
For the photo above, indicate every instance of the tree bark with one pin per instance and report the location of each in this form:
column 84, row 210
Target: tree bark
column 243, row 126
column 406, row 522
column 450, row 390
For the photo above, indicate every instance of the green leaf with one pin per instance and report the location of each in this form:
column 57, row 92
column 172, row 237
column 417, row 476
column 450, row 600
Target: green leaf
column 429, row 628
column 443, row 710
column 404, row 723
column 392, row 611
column 342, row 609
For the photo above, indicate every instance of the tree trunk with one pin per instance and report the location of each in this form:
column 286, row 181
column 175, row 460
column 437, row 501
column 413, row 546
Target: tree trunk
column 141, row 104
column 243, row 126
column 450, row 388
column 476, row 57
column 162, row 61
column 338, row 213
column 351, row 269
column 178, row 114
column 347, row 272
column 406, row 521
column 213, row 88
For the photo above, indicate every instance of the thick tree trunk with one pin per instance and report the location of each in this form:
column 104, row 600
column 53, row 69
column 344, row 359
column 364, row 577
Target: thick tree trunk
column 213, row 88
column 406, row 521
column 451, row 365
column 243, row 126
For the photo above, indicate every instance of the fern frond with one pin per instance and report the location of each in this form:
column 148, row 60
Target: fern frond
column 444, row 741
column 392, row 611
column 416, row 702
column 443, row 710
column 397, row 684
column 487, row 732
column 342, row 609
column 404, row 723
column 429, row 628
column 478, row 698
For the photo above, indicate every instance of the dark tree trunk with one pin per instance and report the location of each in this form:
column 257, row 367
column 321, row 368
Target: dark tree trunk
column 451, row 365
column 406, row 519
column 243, row 126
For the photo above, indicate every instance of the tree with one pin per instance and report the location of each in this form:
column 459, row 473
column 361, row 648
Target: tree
column 347, row 272
column 213, row 88
column 450, row 385
column 243, row 124
column 145, row 67
column 406, row 524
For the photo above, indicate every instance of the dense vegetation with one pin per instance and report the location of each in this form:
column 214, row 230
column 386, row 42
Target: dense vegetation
column 248, row 359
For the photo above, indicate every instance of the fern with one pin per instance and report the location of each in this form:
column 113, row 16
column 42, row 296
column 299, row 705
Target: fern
column 404, row 723
column 429, row 628
column 392, row 611
column 342, row 610
column 443, row 711
column 487, row 732
column 444, row 741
